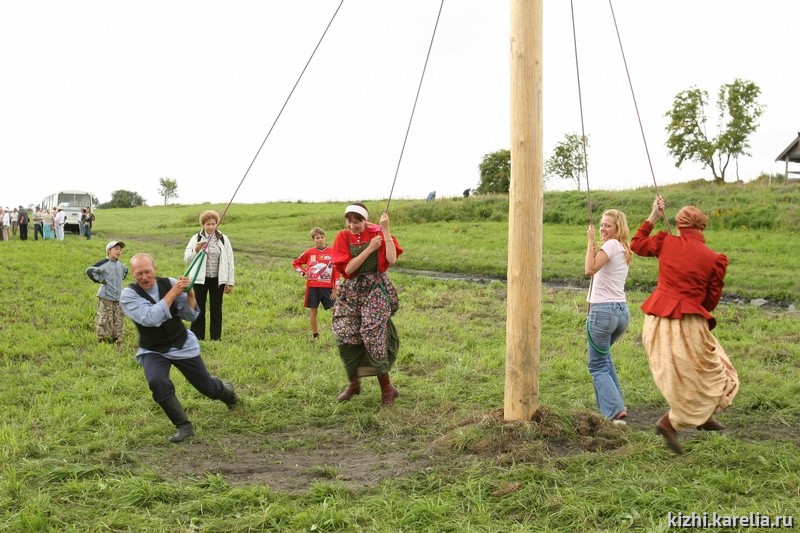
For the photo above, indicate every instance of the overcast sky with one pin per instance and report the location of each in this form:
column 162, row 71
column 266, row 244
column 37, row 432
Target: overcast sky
column 104, row 95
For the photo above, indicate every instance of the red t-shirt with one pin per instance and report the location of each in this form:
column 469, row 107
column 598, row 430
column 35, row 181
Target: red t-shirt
column 317, row 265
column 341, row 248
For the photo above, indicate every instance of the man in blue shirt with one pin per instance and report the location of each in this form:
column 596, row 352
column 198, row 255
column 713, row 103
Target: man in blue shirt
column 157, row 305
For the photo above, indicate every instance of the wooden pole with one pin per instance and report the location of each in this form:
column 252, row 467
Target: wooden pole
column 523, row 322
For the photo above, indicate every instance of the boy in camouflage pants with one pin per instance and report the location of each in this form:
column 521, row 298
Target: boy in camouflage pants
column 109, row 273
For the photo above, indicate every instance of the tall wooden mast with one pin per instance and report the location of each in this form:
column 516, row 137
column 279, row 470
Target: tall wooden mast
column 523, row 323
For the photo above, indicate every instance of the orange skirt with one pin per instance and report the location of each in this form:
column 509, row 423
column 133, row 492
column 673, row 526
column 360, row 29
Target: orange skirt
column 690, row 368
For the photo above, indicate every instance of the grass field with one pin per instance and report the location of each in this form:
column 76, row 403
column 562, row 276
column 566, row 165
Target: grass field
column 83, row 446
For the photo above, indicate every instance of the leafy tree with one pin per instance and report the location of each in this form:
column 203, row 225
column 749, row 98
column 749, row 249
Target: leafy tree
column 495, row 169
column 168, row 188
column 738, row 113
column 122, row 198
column 567, row 161
column 95, row 201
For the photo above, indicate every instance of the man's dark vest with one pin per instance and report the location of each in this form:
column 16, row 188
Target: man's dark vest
column 171, row 333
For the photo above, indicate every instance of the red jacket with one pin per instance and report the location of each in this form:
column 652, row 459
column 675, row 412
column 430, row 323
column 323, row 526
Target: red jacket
column 690, row 274
column 341, row 248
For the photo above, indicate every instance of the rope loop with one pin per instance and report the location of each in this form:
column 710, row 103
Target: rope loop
column 196, row 264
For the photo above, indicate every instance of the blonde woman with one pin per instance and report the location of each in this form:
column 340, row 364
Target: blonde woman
column 608, row 309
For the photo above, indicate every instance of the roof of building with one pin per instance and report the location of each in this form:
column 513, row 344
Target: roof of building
column 792, row 152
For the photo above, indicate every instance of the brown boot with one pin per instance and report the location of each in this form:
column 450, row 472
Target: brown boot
column 388, row 391
column 665, row 429
column 711, row 425
column 352, row 389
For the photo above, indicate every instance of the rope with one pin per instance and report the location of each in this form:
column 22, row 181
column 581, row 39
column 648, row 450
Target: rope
column 408, row 129
column 197, row 262
column 638, row 117
column 198, row 259
column 593, row 345
column 280, row 112
column 580, row 103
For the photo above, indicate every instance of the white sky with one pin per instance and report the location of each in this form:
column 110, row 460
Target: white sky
column 103, row 95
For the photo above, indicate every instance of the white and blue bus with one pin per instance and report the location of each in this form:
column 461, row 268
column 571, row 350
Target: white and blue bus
column 71, row 202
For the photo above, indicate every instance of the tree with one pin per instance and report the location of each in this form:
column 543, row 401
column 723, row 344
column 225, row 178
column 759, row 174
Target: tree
column 495, row 169
column 567, row 161
column 123, row 198
column 168, row 188
column 738, row 113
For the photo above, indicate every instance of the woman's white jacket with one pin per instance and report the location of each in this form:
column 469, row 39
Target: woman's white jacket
column 226, row 270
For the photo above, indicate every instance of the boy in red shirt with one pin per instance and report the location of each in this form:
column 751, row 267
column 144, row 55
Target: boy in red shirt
column 316, row 264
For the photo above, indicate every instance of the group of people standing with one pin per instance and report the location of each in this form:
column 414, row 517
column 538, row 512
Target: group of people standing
column 13, row 221
column 47, row 223
column 688, row 364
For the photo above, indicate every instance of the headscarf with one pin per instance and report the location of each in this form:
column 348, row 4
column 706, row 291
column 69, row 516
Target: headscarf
column 691, row 217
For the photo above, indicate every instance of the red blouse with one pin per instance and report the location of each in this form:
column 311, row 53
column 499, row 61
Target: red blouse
column 690, row 274
column 341, row 248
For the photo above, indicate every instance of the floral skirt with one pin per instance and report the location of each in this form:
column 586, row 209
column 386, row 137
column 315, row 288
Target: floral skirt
column 365, row 334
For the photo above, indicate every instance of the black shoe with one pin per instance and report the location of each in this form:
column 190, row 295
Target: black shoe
column 184, row 432
column 229, row 395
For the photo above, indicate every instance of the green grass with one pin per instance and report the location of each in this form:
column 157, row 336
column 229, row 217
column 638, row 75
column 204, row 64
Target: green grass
column 83, row 446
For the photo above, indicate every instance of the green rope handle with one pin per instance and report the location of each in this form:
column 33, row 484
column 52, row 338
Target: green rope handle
column 593, row 345
column 198, row 260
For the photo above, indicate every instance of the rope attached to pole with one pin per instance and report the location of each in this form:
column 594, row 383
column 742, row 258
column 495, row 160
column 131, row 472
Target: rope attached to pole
column 419, row 88
column 197, row 262
column 635, row 105
column 580, row 103
column 281, row 111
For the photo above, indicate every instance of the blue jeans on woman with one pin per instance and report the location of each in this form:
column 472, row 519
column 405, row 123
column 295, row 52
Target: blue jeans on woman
column 605, row 324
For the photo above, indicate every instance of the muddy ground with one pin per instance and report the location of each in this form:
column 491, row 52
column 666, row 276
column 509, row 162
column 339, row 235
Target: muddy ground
column 280, row 462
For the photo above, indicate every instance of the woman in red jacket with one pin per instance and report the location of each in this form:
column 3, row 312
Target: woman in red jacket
column 689, row 366
column 362, row 324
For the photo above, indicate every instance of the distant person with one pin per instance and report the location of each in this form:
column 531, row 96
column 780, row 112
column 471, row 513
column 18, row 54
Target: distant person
column 316, row 265
column 81, row 220
column 689, row 366
column 22, row 222
column 157, row 305
column 37, row 224
column 431, row 196
column 6, row 222
column 362, row 317
column 466, row 193
column 14, row 221
column 608, row 309
column 88, row 221
column 59, row 221
column 215, row 276
column 109, row 273
column 48, row 224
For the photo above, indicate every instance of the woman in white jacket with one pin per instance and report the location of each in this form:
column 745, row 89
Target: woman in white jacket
column 215, row 276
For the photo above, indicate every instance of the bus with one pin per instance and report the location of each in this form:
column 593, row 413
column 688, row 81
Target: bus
column 71, row 202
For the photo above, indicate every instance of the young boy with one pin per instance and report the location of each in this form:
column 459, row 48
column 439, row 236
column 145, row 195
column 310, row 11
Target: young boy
column 316, row 264
column 109, row 272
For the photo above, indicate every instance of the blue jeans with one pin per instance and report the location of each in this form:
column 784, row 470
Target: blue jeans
column 605, row 324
